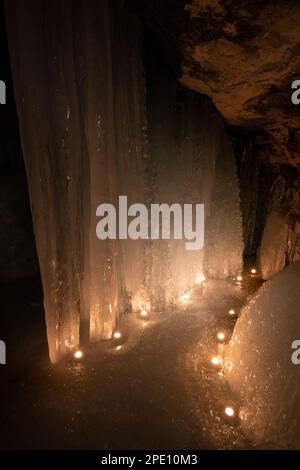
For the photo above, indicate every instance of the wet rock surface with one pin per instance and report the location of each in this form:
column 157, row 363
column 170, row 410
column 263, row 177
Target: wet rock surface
column 244, row 55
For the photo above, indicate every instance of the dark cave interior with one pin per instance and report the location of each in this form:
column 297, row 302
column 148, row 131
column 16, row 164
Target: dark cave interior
column 122, row 104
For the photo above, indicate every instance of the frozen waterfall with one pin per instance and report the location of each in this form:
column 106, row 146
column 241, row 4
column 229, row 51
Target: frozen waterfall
column 95, row 124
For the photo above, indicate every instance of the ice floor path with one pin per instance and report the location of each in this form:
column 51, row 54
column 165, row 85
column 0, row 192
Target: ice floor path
column 158, row 391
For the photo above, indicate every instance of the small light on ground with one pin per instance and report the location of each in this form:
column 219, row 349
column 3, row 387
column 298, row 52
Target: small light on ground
column 144, row 313
column 231, row 311
column 117, row 334
column 145, row 323
column 239, row 278
column 229, row 411
column 185, row 297
column 216, row 361
column 253, row 271
column 118, row 348
column 78, row 354
column 221, row 336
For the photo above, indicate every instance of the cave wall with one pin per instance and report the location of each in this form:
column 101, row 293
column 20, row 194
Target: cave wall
column 18, row 258
column 270, row 202
column 280, row 242
column 245, row 58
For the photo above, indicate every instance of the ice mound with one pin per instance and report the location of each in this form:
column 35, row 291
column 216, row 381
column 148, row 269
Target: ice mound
column 258, row 362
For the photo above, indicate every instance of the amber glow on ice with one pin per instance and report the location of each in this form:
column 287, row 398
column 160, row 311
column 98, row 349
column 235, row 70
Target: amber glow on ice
column 185, row 297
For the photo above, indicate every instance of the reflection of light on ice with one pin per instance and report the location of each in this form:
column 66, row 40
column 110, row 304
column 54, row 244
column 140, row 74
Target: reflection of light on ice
column 229, row 365
column 200, row 279
column 145, row 307
column 69, row 342
column 186, row 296
column 221, row 336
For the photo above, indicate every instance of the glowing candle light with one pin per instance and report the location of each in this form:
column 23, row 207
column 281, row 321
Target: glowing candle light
column 117, row 334
column 221, row 336
column 229, row 411
column 78, row 354
column 216, row 361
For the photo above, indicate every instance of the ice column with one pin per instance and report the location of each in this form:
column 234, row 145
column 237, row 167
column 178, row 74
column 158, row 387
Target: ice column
column 79, row 90
column 47, row 100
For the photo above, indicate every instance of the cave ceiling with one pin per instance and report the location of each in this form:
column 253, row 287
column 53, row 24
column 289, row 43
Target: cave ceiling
column 244, row 55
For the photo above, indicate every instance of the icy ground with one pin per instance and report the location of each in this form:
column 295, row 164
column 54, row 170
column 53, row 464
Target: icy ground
column 158, row 391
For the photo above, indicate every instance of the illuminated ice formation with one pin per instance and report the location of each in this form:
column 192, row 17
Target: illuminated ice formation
column 258, row 362
column 90, row 133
